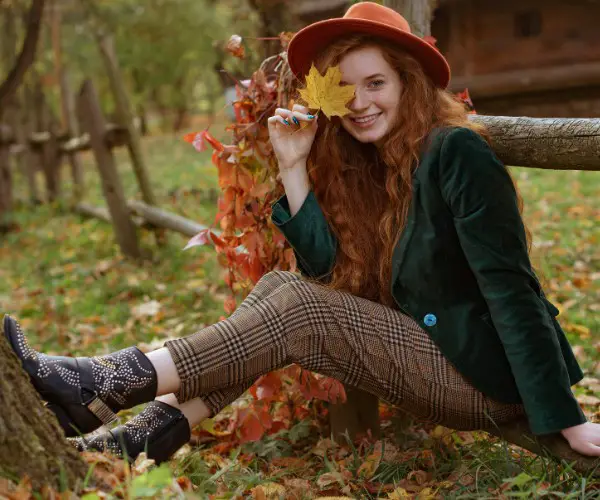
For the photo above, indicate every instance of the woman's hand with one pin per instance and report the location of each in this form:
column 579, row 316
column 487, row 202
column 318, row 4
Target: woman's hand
column 292, row 142
column 584, row 438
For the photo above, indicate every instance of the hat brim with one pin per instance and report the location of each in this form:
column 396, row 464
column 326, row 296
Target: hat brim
column 309, row 41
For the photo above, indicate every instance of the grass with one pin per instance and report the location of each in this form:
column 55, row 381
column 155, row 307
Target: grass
column 63, row 277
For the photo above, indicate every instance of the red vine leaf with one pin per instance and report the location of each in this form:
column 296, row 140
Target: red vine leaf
column 200, row 239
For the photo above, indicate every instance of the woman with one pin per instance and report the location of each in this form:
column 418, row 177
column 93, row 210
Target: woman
column 416, row 287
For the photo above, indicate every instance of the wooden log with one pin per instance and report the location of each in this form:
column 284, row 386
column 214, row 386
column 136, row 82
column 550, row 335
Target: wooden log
column 88, row 210
column 167, row 220
column 111, row 184
column 102, row 213
column 549, row 143
column 553, row 446
column 115, row 136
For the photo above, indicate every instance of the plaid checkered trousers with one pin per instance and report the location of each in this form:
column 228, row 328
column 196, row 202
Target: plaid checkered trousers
column 364, row 344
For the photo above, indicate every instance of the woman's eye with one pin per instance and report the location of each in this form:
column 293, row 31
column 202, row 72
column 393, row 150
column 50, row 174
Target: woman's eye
column 377, row 83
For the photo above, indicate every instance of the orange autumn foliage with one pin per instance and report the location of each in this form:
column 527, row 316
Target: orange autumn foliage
column 249, row 245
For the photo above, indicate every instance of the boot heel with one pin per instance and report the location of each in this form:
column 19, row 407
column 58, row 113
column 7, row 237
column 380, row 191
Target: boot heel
column 87, row 422
column 170, row 439
column 63, row 419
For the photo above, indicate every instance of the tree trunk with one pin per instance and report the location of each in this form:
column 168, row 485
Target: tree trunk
column 31, row 441
column 274, row 18
column 418, row 13
column 27, row 55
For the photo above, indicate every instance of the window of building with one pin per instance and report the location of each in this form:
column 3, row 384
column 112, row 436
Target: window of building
column 528, row 24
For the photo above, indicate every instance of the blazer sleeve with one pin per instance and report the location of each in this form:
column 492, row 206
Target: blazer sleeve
column 481, row 196
column 309, row 235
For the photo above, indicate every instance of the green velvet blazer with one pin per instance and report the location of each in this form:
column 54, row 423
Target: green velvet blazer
column 462, row 271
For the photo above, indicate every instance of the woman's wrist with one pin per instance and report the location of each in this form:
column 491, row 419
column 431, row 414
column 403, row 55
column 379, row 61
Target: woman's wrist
column 292, row 167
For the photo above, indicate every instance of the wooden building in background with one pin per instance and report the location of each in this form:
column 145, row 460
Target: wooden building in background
column 516, row 57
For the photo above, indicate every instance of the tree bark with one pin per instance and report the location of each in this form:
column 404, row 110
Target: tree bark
column 274, row 18
column 27, row 55
column 418, row 13
column 31, row 441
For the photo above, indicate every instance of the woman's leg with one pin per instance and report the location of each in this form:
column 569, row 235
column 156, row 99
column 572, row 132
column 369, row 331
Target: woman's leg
column 165, row 424
column 168, row 379
column 359, row 342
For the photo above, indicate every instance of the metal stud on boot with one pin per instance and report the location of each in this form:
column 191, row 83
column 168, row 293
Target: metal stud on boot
column 159, row 430
column 85, row 393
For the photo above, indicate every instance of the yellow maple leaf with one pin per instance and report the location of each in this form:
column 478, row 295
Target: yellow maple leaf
column 326, row 93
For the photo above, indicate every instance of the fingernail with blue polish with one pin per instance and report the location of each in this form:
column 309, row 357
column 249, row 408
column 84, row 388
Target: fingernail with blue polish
column 286, row 122
column 310, row 117
column 296, row 120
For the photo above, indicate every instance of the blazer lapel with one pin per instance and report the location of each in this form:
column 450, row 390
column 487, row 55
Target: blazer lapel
column 400, row 248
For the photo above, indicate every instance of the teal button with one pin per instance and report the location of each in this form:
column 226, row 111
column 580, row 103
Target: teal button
column 430, row 319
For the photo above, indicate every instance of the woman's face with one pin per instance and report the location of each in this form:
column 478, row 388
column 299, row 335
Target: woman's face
column 378, row 88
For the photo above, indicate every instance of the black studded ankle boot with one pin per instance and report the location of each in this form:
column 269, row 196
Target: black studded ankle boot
column 85, row 393
column 159, row 430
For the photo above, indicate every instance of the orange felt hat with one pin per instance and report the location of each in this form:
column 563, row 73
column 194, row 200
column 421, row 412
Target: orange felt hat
column 369, row 18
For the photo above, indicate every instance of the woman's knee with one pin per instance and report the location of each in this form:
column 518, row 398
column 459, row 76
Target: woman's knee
column 305, row 292
column 278, row 277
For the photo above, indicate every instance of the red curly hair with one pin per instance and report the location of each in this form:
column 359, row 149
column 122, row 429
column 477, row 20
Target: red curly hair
column 364, row 191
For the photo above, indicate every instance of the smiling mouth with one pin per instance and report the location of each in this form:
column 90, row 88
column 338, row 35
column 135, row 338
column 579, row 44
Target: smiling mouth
column 366, row 120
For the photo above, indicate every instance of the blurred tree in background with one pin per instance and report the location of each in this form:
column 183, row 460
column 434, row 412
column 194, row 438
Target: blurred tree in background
column 169, row 51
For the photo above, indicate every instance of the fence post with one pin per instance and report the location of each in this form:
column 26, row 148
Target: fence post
column 125, row 118
column 51, row 157
column 95, row 125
